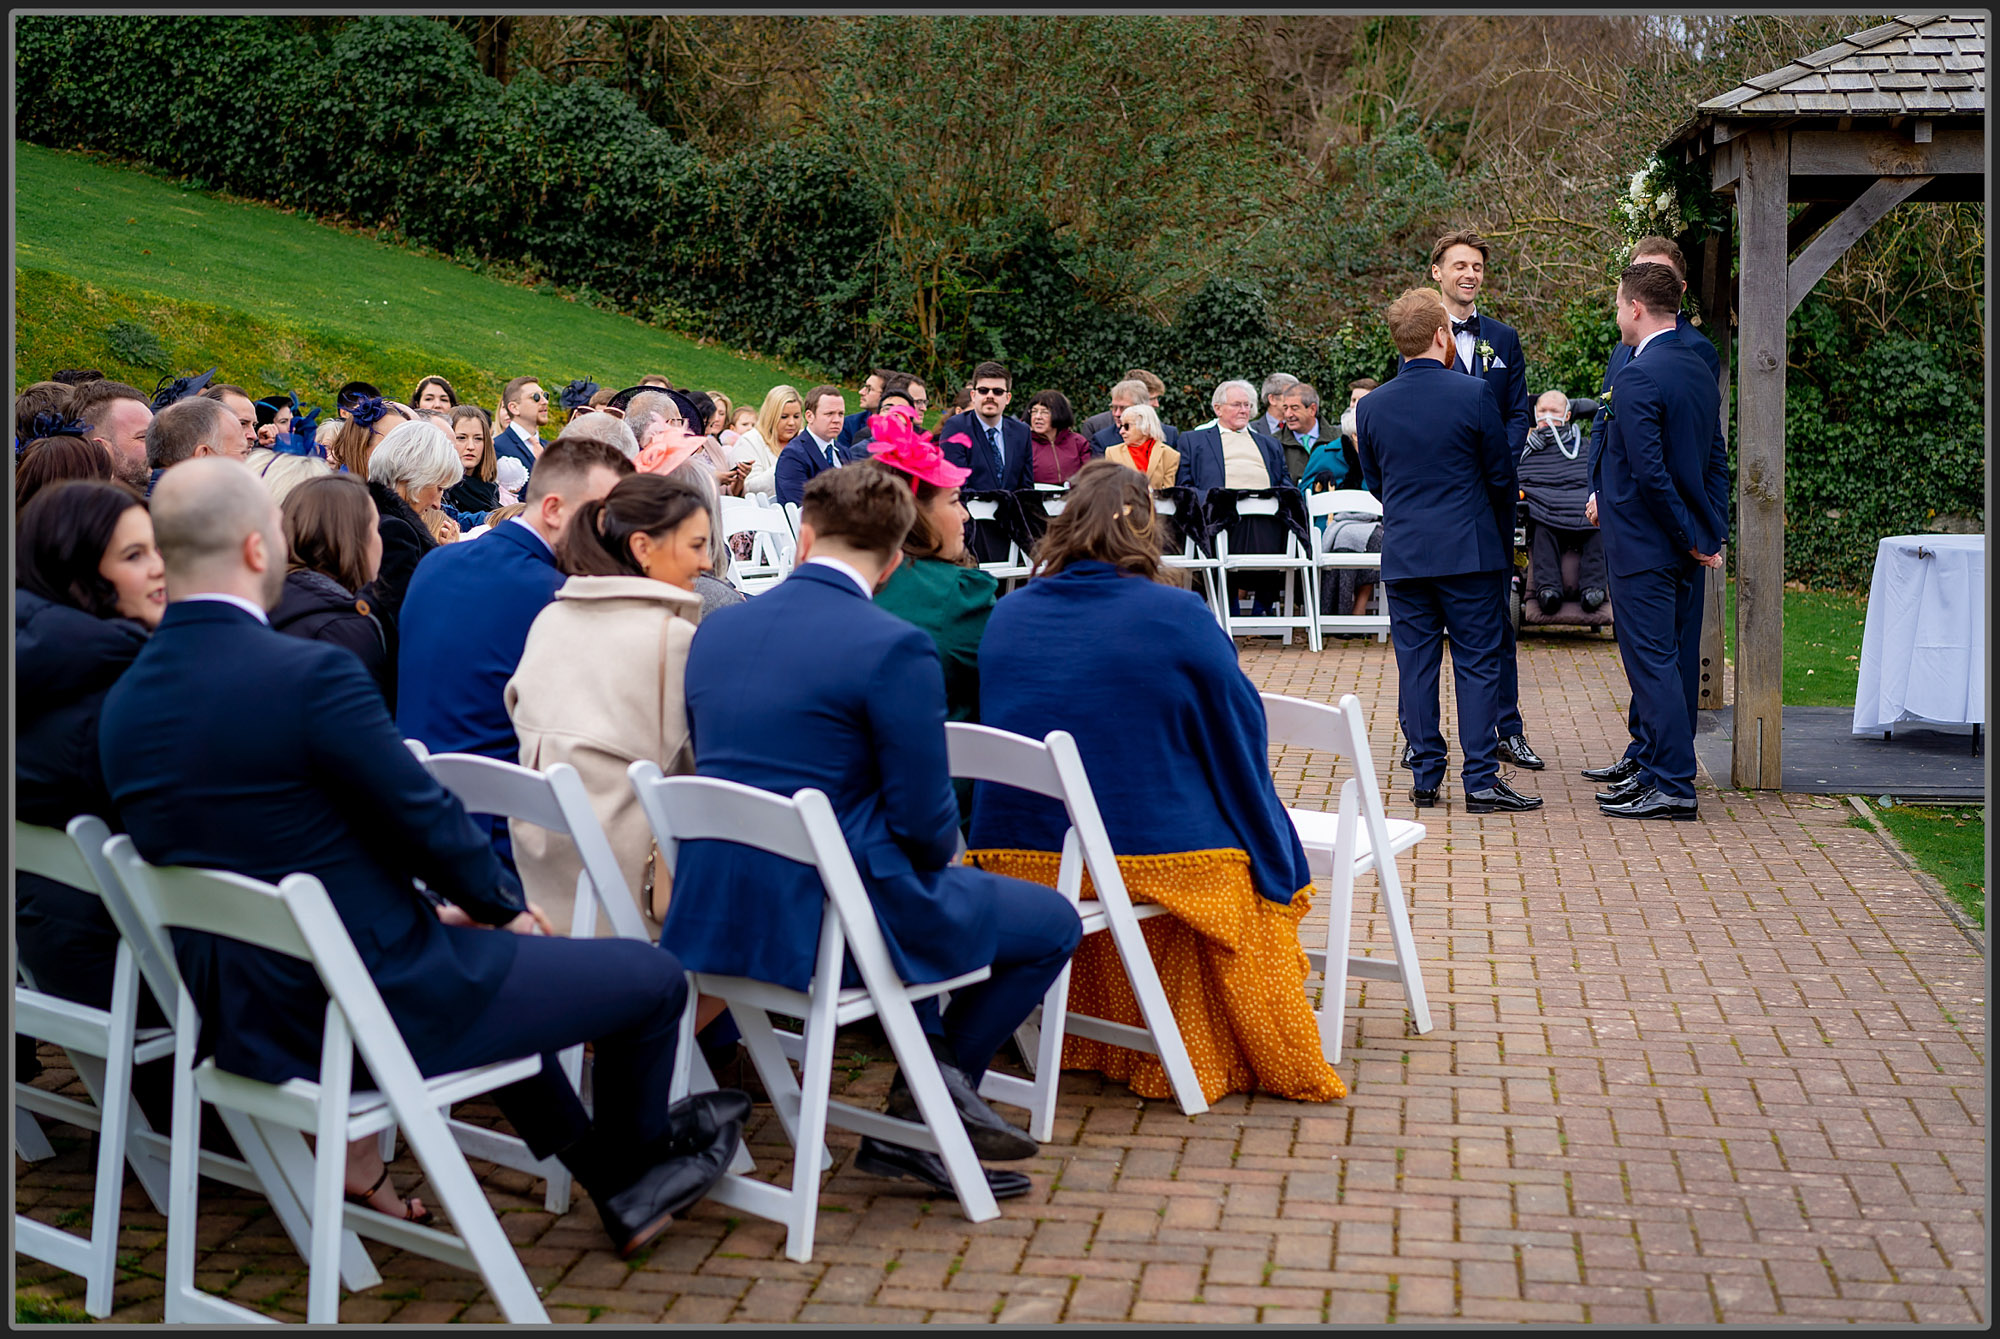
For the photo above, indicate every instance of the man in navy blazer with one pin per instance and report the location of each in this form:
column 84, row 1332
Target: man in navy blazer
column 816, row 448
column 1204, row 461
column 855, row 425
column 1660, row 488
column 527, row 407
column 810, row 685
column 1433, row 448
column 320, row 783
column 1000, row 453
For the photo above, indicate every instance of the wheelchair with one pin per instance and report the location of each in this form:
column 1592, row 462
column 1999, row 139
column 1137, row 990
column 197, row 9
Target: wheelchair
column 1526, row 610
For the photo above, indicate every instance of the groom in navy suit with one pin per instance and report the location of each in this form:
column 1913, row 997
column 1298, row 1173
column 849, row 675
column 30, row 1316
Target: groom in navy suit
column 1001, row 455
column 1660, row 486
column 1487, row 347
column 1433, row 449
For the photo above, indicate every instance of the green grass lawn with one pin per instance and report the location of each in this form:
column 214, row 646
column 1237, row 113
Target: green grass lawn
column 135, row 275
column 1948, row 843
column 1822, row 645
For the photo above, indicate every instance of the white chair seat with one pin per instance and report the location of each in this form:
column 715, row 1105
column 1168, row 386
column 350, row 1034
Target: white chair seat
column 296, row 1102
column 1316, row 830
column 1320, row 506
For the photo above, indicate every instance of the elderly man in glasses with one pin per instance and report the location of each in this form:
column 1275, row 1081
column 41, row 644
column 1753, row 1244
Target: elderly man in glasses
column 527, row 407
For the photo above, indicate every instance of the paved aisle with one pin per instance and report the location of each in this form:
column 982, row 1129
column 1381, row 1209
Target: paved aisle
column 1727, row 1071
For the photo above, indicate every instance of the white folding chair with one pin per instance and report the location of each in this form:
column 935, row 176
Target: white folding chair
column 1322, row 505
column 297, row 919
column 1051, row 767
column 1206, row 570
column 103, row 1046
column 791, row 510
column 1296, row 565
column 1015, row 566
column 803, row 828
column 1358, row 837
column 772, row 547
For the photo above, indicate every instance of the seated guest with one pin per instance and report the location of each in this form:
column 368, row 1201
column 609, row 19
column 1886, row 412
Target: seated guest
column 938, row 586
column 1232, row 454
column 365, row 423
column 407, row 474
column 1314, row 452
column 854, row 427
column 472, row 433
column 599, row 685
column 524, row 409
column 118, row 415
column 55, row 459
column 188, row 429
column 1211, row 842
column 779, row 420
column 37, row 401
column 332, row 532
column 1059, row 449
column 434, row 393
column 810, row 685
column 326, row 787
column 1554, row 472
column 286, row 454
column 995, row 448
column 1141, row 448
column 812, row 451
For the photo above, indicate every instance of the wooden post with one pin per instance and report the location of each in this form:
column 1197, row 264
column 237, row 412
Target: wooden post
column 1758, row 753
column 1715, row 272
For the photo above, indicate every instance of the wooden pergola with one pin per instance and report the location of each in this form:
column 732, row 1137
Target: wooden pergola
column 1892, row 114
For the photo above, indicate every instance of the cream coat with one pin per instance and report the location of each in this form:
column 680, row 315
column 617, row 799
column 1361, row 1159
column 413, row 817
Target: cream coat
column 599, row 687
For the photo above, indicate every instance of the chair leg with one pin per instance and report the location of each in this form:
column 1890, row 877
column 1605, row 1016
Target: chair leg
column 30, row 1144
column 1333, row 975
column 284, row 1165
column 1130, row 940
column 815, row 1084
column 465, row 1203
column 920, row 1071
column 329, row 1198
column 1405, row 942
column 775, row 1071
column 184, row 1303
column 116, row 1105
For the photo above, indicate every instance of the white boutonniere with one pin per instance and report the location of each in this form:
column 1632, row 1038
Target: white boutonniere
column 1484, row 352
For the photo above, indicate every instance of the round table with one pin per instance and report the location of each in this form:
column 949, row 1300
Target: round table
column 1923, row 651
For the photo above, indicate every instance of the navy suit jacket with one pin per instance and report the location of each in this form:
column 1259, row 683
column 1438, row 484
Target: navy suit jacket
column 510, row 442
column 1662, row 475
column 312, row 776
column 810, row 684
column 1508, row 377
column 1202, row 466
column 1621, row 354
column 464, row 624
column 1109, row 437
column 852, row 428
column 798, row 462
column 986, row 472
column 1433, row 448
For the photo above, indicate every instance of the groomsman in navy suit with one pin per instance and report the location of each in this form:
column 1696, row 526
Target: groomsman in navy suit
column 1432, row 447
column 816, row 448
column 1488, row 347
column 527, row 409
column 1658, row 251
column 1001, row 455
column 1661, row 493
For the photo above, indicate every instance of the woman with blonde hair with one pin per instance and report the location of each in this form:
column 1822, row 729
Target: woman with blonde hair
column 472, row 434
column 782, row 418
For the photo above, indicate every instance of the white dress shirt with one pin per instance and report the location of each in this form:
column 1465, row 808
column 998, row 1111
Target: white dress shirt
column 223, row 597
column 845, row 569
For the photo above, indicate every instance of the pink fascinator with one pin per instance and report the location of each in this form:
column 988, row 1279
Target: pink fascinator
column 898, row 443
column 666, row 449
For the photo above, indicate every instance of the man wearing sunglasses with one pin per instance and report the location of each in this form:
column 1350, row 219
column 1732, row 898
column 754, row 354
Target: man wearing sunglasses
column 1001, row 455
column 528, row 409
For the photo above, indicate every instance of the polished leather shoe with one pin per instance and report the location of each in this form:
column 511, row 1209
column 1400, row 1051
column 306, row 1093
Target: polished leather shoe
column 1514, row 749
column 1549, row 600
column 1593, row 600
column 1650, row 803
column 880, row 1158
column 992, row 1138
column 1622, row 770
column 1410, row 756
column 1500, row 797
column 1424, row 799
column 641, row 1211
column 694, row 1122
column 1622, row 791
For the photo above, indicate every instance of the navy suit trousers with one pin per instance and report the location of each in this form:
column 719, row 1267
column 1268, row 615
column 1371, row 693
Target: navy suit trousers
column 1508, row 723
column 1421, row 610
column 1659, row 640
column 622, row 995
column 1038, row 931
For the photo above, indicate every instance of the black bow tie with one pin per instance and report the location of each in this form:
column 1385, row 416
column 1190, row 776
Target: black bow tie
column 1469, row 326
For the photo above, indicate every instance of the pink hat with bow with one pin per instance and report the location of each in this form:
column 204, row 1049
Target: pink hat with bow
column 898, row 444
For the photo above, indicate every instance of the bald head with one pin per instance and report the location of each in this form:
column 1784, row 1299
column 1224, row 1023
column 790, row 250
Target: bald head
column 219, row 532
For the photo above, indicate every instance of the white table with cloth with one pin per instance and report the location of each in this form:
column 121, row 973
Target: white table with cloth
column 1923, row 650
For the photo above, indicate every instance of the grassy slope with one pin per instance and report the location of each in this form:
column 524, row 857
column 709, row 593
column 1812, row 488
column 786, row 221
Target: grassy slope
column 1822, row 645
column 280, row 301
column 1948, row 843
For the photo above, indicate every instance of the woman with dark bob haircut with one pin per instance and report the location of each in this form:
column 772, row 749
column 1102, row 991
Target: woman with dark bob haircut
column 1100, row 643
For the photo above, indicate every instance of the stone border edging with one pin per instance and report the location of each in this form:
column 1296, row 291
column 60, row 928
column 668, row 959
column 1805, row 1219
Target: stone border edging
column 1929, row 884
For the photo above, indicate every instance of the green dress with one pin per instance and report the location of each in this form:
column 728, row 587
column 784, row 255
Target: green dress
column 952, row 604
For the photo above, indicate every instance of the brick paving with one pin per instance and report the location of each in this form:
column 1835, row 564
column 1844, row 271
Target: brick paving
column 1730, row 1071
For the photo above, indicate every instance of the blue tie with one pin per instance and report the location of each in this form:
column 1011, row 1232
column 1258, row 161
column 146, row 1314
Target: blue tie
column 999, row 456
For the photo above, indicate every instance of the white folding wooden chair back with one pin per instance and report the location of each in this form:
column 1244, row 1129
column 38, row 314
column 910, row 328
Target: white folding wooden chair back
column 556, row 800
column 773, row 546
column 297, row 919
column 1358, row 837
column 803, row 829
column 1298, row 607
column 1207, row 570
column 1051, row 767
column 1015, row 567
column 1321, row 506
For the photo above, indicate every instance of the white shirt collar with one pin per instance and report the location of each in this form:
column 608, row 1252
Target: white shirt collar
column 847, row 570
column 522, row 521
column 223, row 597
column 1648, row 340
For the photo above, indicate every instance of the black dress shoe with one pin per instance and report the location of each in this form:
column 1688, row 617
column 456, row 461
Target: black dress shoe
column 1514, row 749
column 641, row 1211
column 1424, row 799
column 1593, row 599
column 694, row 1122
column 1650, row 803
column 1500, row 797
column 1622, row 770
column 1622, row 791
column 1410, row 756
column 992, row 1138
column 1550, row 600
column 896, row 1162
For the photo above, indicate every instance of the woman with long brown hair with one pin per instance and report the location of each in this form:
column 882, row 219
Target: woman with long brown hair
column 1172, row 735
column 334, row 536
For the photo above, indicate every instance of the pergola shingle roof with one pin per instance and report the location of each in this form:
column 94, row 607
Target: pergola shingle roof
column 1915, row 65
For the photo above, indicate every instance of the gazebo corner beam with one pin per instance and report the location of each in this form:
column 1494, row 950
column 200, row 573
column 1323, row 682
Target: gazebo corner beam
column 1811, row 264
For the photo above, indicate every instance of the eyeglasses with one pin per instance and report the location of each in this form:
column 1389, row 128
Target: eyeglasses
column 675, row 422
column 921, row 404
column 989, row 390
column 539, row 398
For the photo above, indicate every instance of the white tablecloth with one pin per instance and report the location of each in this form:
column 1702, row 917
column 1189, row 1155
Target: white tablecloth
column 1923, row 651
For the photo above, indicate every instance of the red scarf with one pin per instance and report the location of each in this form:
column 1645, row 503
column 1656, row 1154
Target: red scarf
column 1142, row 454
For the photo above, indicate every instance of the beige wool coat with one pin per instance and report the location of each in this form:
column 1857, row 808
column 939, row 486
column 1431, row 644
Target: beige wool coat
column 600, row 687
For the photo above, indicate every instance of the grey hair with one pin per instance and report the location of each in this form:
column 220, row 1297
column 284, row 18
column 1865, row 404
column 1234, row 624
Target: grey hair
column 697, row 471
column 1149, row 419
column 1132, row 392
column 1304, row 394
column 606, row 428
column 204, row 509
column 1221, row 392
column 644, row 409
column 416, row 454
column 1278, row 381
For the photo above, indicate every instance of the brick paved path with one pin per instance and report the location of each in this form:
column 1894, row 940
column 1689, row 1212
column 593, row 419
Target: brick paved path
column 1727, row 1071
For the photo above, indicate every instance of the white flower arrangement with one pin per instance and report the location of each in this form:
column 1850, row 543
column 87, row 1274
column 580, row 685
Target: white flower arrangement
column 1651, row 204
